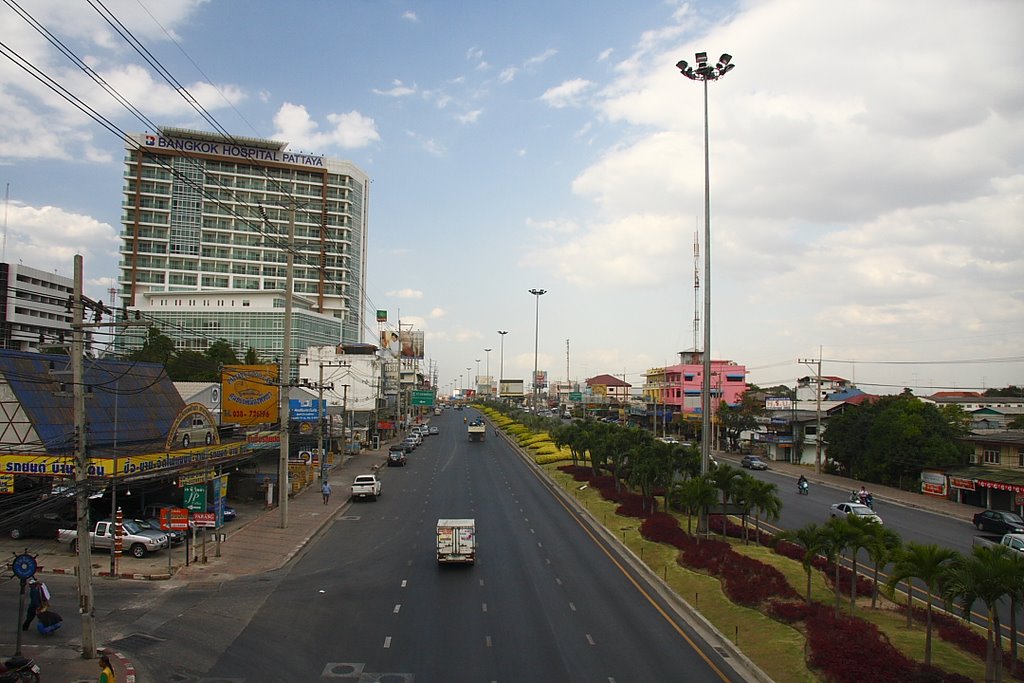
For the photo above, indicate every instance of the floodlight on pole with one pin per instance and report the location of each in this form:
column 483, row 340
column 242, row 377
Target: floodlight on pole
column 705, row 72
column 537, row 293
column 501, row 359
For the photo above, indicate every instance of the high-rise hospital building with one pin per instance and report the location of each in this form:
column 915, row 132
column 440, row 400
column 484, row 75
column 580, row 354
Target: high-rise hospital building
column 205, row 227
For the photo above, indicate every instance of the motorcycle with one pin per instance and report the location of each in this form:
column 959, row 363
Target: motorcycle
column 19, row 670
column 802, row 488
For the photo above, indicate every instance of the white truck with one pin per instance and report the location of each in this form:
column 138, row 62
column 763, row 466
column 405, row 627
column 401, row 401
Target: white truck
column 366, row 486
column 477, row 430
column 456, row 541
column 135, row 540
column 1014, row 542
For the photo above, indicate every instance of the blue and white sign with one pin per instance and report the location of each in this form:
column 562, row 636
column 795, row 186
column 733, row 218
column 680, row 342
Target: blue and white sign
column 307, row 411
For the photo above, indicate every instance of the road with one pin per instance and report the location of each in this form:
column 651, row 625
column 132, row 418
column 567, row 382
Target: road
column 548, row 600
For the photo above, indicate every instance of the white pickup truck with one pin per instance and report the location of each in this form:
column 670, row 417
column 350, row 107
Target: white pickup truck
column 366, row 486
column 1012, row 541
column 134, row 540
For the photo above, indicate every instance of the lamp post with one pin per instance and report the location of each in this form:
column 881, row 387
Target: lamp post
column 468, row 375
column 501, row 358
column 705, row 72
column 476, row 385
column 487, row 369
column 536, row 326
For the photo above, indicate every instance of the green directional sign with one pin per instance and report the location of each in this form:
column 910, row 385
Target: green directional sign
column 422, row 398
column 195, row 497
column 576, row 396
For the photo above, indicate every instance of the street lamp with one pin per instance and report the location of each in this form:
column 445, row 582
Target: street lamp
column 477, row 385
column 488, row 371
column 468, row 370
column 501, row 359
column 704, row 72
column 536, row 325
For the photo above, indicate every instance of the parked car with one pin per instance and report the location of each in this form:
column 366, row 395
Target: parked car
column 41, row 524
column 396, row 458
column 856, row 510
column 753, row 462
column 176, row 536
column 999, row 522
column 229, row 512
column 407, row 444
column 434, row 431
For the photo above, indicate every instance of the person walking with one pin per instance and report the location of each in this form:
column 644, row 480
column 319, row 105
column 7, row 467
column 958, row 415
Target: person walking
column 326, row 490
column 106, row 670
column 38, row 598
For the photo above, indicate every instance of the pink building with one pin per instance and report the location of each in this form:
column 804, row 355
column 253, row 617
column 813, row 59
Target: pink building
column 679, row 386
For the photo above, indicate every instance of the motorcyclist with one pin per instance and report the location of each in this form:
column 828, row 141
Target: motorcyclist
column 801, row 483
column 862, row 495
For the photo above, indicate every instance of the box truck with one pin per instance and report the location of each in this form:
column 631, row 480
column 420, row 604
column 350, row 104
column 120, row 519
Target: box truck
column 456, row 541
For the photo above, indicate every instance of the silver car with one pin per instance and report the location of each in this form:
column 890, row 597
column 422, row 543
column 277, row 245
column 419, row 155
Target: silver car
column 856, row 510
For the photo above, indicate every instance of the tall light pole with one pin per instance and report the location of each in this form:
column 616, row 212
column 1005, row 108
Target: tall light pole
column 536, row 326
column 704, row 72
column 501, row 358
column 488, row 371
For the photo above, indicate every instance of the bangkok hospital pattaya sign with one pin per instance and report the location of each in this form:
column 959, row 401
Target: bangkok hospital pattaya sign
column 225, row 149
column 64, row 466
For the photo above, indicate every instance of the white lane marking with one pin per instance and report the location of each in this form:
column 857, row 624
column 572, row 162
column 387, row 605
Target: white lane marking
column 397, row 608
column 539, row 544
column 548, row 560
column 484, row 606
column 387, row 642
column 481, row 582
column 572, row 606
column 558, row 581
column 405, row 583
column 532, row 531
column 590, row 639
column 487, row 640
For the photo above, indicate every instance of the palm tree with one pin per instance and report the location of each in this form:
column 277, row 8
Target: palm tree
column 811, row 539
column 983, row 575
column 861, row 530
column 725, row 478
column 764, row 497
column 931, row 564
column 836, row 536
column 694, row 495
column 742, row 498
column 1015, row 589
column 882, row 546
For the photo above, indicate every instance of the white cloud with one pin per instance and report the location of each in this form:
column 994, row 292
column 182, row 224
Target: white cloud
column 604, row 55
column 429, row 145
column 48, row 238
column 566, row 94
column 409, row 15
column 437, row 313
column 469, row 116
column 406, row 294
column 539, row 59
column 348, row 131
column 398, row 89
column 474, row 54
column 507, row 74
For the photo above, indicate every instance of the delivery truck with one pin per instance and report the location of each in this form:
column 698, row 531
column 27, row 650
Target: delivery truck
column 456, row 541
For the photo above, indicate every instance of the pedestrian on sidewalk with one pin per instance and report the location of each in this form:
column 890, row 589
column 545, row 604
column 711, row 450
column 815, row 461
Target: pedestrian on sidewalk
column 326, row 490
column 38, row 599
column 106, row 670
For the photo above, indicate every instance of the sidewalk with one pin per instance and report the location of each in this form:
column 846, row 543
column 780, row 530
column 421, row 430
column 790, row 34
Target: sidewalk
column 844, row 485
column 255, row 543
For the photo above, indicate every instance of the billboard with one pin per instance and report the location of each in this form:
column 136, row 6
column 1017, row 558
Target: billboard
column 389, row 344
column 250, row 394
column 511, row 387
column 778, row 403
column 540, row 380
column 382, row 316
column 412, row 343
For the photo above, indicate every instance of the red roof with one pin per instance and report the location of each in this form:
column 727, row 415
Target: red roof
column 955, row 394
column 608, row 381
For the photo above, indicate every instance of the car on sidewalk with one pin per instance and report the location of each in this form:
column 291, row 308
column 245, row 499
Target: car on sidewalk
column 999, row 522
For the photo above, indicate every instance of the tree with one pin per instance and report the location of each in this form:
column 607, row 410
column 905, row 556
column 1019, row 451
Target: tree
column 861, row 530
column 741, row 417
column 158, row 348
column 835, row 538
column 812, row 539
column 693, row 496
column 930, row 564
column 222, row 353
column 882, row 547
column 725, row 479
column 983, row 575
column 764, row 498
column 650, row 467
column 251, row 357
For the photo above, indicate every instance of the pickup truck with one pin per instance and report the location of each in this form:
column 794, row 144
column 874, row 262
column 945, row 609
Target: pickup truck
column 1012, row 541
column 366, row 486
column 135, row 540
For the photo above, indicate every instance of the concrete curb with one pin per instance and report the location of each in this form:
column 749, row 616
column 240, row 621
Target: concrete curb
column 124, row 670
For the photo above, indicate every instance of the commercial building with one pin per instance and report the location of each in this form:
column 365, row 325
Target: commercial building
column 34, row 308
column 205, row 212
column 679, row 386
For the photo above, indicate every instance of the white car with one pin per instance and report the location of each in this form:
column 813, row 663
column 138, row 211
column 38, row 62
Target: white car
column 847, row 509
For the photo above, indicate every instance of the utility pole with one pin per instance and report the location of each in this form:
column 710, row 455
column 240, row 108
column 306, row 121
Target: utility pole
column 817, row 392
column 286, row 370
column 344, row 421
column 85, row 596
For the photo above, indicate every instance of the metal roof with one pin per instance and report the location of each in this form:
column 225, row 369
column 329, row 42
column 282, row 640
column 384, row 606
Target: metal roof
column 126, row 402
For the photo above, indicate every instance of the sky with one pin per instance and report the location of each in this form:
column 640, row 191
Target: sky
column 866, row 170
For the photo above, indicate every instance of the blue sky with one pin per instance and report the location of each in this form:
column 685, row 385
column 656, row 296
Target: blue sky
column 866, row 169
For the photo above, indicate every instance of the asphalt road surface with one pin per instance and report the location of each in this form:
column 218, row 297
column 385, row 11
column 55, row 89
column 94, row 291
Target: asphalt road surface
column 366, row 601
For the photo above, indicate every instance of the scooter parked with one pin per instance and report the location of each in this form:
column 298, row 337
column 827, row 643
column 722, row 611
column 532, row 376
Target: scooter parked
column 19, row 670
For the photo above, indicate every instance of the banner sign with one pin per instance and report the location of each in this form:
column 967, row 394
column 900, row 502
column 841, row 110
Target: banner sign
column 250, row 394
column 965, row 484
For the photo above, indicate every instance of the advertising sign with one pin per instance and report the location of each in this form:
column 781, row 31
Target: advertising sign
column 965, row 484
column 6, row 483
column 250, row 394
column 205, row 519
column 195, row 497
column 540, row 380
column 576, row 396
column 382, row 316
column 511, row 387
column 933, row 483
column 307, row 411
column 778, row 403
column 412, row 343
